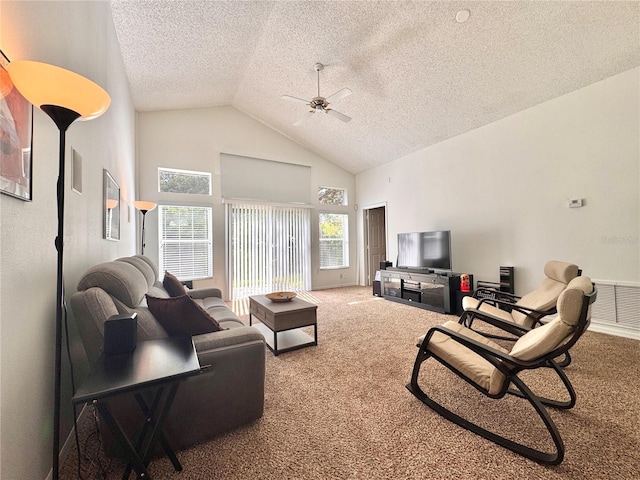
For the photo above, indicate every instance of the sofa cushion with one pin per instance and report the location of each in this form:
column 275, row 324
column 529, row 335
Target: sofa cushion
column 181, row 316
column 144, row 268
column 172, row 285
column 121, row 280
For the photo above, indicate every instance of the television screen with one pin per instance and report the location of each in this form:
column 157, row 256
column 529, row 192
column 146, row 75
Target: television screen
column 425, row 250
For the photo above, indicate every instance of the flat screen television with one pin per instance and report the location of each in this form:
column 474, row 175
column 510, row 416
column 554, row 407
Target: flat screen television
column 425, row 250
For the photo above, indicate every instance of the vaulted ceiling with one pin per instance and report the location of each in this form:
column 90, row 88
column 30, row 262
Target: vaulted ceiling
column 418, row 75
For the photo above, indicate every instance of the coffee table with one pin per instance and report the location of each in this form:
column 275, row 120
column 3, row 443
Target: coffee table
column 281, row 322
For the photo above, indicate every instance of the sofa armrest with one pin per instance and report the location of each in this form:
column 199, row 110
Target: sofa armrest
column 201, row 293
column 208, row 343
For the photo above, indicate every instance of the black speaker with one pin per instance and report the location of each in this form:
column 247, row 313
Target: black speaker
column 377, row 288
column 384, row 265
column 120, row 332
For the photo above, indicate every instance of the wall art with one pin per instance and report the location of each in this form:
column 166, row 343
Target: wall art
column 16, row 136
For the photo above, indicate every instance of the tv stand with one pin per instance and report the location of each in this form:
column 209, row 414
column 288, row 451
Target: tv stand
column 422, row 288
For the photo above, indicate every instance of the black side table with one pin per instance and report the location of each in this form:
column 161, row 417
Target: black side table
column 156, row 365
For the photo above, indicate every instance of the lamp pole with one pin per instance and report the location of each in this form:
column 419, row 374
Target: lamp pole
column 47, row 87
column 143, row 207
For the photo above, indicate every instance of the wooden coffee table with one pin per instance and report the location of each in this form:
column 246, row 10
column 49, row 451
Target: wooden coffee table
column 281, row 323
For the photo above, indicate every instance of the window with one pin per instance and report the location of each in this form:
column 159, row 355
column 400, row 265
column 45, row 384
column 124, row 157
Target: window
column 332, row 196
column 186, row 241
column 334, row 240
column 184, row 181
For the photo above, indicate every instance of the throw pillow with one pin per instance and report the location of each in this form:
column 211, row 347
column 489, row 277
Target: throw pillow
column 182, row 316
column 172, row 285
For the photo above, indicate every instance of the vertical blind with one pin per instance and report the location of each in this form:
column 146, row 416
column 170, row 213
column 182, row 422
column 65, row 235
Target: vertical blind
column 186, row 241
column 269, row 249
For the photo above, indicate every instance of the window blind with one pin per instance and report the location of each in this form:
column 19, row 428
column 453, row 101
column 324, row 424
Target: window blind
column 186, row 241
column 334, row 240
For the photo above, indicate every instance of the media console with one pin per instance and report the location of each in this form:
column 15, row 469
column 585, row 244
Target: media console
column 422, row 288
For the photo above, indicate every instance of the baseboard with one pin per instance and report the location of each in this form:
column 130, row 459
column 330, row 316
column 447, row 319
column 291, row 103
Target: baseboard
column 613, row 329
column 327, row 287
column 68, row 443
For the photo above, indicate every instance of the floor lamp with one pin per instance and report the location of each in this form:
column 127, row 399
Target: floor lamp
column 144, row 207
column 66, row 97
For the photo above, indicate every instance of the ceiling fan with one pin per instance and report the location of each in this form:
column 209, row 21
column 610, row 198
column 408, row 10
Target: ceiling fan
column 321, row 104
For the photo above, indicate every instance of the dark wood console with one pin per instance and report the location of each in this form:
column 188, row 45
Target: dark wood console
column 422, row 288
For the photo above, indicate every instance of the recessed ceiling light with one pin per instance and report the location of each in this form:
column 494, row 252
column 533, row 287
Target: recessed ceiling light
column 462, row 16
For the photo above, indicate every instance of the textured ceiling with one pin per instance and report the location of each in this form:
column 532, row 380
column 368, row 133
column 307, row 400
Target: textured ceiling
column 418, row 76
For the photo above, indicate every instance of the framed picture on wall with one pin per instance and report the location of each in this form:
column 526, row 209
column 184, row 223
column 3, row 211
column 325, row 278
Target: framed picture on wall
column 16, row 133
column 111, row 207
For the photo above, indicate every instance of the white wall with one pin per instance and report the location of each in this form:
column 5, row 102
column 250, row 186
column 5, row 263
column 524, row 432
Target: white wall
column 192, row 139
column 78, row 36
column 503, row 189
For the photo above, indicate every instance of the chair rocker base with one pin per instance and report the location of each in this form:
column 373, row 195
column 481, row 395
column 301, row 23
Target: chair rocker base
column 538, row 456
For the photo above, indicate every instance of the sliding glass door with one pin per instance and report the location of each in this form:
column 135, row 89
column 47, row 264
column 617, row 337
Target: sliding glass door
column 269, row 249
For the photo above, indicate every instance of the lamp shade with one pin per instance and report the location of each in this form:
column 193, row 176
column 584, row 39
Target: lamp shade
column 144, row 206
column 44, row 84
column 111, row 203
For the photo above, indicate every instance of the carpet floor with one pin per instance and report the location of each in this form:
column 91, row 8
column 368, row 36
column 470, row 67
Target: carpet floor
column 340, row 410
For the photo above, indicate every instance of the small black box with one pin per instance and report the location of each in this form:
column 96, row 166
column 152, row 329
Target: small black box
column 377, row 288
column 384, row 265
column 120, row 332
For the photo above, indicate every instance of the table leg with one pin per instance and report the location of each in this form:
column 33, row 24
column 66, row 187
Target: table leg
column 161, row 438
column 275, row 343
column 159, row 427
column 134, row 459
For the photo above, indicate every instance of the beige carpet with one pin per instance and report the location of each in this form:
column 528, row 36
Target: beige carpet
column 341, row 411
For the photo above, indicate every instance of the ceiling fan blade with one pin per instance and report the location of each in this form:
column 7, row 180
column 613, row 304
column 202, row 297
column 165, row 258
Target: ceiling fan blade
column 345, row 92
column 295, row 99
column 338, row 115
column 303, row 118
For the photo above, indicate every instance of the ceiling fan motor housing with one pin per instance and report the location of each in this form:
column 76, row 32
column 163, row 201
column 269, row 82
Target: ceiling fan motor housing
column 318, row 103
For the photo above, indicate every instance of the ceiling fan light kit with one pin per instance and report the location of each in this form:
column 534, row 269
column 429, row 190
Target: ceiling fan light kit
column 320, row 103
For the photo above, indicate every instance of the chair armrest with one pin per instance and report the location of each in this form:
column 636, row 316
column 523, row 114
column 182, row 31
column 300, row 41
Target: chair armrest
column 474, row 314
column 201, row 293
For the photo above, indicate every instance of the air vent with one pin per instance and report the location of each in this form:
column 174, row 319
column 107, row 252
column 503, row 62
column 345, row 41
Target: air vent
column 618, row 307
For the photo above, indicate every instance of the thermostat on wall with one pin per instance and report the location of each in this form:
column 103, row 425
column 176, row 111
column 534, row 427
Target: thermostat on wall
column 575, row 203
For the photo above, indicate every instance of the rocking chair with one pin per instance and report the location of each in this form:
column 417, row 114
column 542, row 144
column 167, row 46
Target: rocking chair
column 530, row 308
column 492, row 369
column 517, row 315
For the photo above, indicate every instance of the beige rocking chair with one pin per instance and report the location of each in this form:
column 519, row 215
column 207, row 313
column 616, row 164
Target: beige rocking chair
column 492, row 369
column 517, row 315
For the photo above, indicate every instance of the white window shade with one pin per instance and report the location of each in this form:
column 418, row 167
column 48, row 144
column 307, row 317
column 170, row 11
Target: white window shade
column 266, row 180
column 186, row 241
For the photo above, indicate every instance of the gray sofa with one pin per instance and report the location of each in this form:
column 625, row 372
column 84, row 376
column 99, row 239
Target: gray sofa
column 228, row 394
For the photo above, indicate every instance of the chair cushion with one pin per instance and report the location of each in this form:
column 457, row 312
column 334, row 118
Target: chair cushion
column 558, row 274
column 470, row 303
column 542, row 340
column 172, row 285
column 469, row 363
column 560, row 271
column 181, row 316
